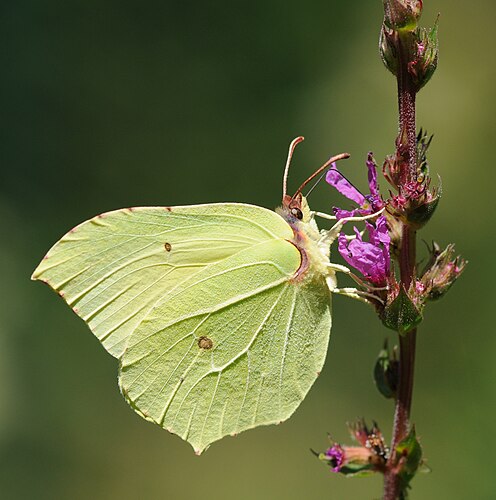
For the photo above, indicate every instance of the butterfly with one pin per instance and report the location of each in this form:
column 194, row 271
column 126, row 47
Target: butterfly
column 219, row 314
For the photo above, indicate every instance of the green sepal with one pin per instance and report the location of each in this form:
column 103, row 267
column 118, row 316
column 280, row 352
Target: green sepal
column 386, row 373
column 409, row 452
column 430, row 57
column 350, row 469
column 420, row 215
column 401, row 315
column 388, row 50
column 357, row 470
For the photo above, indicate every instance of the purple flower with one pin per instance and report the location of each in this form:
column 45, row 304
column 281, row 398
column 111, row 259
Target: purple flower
column 352, row 459
column 335, row 456
column 369, row 203
column 371, row 257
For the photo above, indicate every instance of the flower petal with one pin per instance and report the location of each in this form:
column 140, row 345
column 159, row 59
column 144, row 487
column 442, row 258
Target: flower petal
column 367, row 257
column 372, row 175
column 335, row 179
column 336, row 456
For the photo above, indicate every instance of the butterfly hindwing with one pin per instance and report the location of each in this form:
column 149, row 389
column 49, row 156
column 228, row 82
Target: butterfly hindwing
column 235, row 346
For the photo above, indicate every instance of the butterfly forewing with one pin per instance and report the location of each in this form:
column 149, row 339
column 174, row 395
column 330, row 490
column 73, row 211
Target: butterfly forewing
column 114, row 268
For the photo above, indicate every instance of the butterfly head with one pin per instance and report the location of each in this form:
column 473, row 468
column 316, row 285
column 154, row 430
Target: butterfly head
column 296, row 207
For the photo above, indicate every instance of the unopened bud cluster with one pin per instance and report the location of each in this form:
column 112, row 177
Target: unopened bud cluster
column 405, row 45
column 416, row 200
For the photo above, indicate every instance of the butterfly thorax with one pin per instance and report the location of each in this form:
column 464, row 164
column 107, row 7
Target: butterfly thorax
column 307, row 239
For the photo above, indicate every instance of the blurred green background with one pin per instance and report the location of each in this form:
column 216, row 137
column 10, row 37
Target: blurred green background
column 119, row 103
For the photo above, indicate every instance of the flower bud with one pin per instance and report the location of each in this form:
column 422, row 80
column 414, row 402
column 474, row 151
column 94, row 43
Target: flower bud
column 404, row 47
column 424, row 57
column 402, row 14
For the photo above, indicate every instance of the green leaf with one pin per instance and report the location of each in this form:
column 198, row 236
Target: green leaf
column 386, row 373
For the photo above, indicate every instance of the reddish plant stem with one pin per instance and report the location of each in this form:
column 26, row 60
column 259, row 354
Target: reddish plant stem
column 406, row 148
column 401, row 426
column 408, row 134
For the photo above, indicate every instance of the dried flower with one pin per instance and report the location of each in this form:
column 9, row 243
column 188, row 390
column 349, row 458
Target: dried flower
column 371, row 456
column 441, row 272
column 370, row 438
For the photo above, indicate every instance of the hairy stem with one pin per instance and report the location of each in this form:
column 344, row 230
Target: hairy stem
column 407, row 144
column 406, row 148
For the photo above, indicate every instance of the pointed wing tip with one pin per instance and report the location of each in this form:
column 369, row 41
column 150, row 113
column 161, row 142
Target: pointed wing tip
column 199, row 449
column 37, row 275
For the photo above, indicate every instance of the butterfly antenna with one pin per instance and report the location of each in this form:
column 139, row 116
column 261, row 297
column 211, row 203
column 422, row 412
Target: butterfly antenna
column 315, row 185
column 292, row 147
column 330, row 161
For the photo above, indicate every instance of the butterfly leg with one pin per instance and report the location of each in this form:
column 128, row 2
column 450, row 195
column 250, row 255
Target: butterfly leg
column 323, row 215
column 355, row 293
column 354, row 277
column 338, row 267
column 329, row 236
column 361, row 295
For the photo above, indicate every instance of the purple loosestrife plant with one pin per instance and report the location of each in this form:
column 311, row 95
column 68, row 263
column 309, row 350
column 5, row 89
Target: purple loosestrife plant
column 384, row 254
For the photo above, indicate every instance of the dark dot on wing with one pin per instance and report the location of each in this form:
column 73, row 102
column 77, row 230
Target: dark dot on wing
column 168, row 247
column 205, row 343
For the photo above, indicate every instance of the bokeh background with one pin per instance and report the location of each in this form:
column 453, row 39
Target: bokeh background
column 123, row 103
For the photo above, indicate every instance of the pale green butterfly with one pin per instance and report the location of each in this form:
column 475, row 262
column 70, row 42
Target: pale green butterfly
column 219, row 314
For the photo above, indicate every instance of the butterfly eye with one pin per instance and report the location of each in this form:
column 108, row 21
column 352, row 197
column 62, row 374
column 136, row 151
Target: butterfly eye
column 297, row 213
